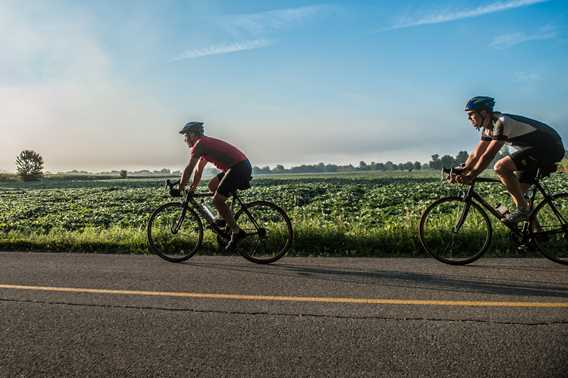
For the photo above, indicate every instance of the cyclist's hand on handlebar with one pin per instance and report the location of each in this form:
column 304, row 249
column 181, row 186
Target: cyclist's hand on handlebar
column 459, row 170
column 461, row 179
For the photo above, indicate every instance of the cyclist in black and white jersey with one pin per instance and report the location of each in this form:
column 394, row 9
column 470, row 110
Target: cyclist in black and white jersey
column 537, row 146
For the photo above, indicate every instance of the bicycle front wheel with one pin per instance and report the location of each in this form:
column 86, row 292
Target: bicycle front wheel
column 455, row 232
column 175, row 234
column 550, row 228
column 269, row 232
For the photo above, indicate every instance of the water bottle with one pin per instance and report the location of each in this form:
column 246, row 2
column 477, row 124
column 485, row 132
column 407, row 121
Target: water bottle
column 205, row 212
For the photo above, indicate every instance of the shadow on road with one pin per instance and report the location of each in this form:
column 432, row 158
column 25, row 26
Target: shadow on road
column 410, row 280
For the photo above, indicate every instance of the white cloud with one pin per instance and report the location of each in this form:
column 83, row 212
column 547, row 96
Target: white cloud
column 527, row 77
column 448, row 16
column 509, row 40
column 252, row 29
column 224, row 49
column 265, row 22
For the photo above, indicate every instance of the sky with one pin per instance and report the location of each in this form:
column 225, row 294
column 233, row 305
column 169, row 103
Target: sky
column 107, row 85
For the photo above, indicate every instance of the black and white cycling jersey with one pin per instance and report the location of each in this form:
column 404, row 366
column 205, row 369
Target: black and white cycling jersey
column 519, row 131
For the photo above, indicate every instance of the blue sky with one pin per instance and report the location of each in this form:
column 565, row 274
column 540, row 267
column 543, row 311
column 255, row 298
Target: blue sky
column 102, row 85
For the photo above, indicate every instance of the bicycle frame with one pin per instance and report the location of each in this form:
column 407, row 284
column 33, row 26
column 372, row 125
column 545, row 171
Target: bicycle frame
column 472, row 196
column 191, row 201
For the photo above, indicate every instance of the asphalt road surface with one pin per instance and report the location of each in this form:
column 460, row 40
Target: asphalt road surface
column 119, row 315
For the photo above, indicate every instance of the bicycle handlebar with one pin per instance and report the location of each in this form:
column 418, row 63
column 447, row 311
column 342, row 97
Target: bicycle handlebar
column 170, row 185
column 448, row 172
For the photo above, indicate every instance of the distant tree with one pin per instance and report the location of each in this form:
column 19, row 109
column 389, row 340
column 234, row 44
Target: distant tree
column 29, row 165
column 461, row 157
column 389, row 166
column 363, row 166
column 448, row 161
column 279, row 169
column 123, row 173
column 435, row 163
column 330, row 168
column 409, row 166
column 417, row 165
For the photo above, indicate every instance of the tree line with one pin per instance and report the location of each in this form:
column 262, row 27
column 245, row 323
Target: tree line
column 437, row 162
column 29, row 165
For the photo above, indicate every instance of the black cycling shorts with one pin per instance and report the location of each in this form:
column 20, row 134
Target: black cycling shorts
column 529, row 159
column 234, row 178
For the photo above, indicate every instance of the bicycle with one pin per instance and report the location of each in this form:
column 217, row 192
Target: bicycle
column 175, row 229
column 457, row 231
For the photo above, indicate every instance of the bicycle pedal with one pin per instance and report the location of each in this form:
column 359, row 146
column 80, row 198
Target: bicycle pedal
column 523, row 248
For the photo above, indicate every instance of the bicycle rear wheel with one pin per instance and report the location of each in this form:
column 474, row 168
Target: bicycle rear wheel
column 269, row 232
column 455, row 232
column 174, row 234
column 550, row 228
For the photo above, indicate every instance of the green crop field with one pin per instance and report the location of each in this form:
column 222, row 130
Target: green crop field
column 351, row 214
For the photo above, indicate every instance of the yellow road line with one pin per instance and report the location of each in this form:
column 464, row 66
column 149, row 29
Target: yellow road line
column 276, row 298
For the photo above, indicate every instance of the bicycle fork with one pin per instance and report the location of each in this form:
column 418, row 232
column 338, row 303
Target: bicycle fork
column 467, row 205
column 178, row 222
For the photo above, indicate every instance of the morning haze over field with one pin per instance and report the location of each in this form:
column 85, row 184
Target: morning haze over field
column 107, row 85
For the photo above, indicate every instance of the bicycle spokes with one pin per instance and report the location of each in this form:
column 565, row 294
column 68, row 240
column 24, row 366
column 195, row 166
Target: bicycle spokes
column 174, row 233
column 550, row 229
column 269, row 232
column 455, row 231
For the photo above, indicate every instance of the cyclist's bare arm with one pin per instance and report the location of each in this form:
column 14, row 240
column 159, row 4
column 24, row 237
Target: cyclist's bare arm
column 489, row 151
column 474, row 157
column 198, row 173
column 187, row 172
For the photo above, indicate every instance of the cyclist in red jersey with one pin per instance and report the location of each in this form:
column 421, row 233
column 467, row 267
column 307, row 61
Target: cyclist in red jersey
column 235, row 173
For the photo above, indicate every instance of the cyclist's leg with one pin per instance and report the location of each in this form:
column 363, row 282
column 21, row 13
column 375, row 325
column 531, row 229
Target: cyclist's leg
column 223, row 190
column 214, row 183
column 234, row 178
column 516, row 185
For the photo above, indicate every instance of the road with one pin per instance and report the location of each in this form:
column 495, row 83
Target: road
column 121, row 315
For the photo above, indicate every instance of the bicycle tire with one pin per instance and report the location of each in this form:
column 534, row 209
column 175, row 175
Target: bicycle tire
column 274, row 238
column 553, row 243
column 438, row 238
column 174, row 246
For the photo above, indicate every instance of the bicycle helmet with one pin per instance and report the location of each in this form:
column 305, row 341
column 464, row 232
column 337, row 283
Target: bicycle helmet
column 479, row 103
column 193, row 127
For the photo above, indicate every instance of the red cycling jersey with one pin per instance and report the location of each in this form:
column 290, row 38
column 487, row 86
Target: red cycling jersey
column 222, row 154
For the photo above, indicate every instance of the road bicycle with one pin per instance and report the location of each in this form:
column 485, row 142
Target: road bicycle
column 456, row 230
column 175, row 229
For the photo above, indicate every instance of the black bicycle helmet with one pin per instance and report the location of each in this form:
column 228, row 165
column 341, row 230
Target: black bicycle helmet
column 479, row 103
column 193, row 127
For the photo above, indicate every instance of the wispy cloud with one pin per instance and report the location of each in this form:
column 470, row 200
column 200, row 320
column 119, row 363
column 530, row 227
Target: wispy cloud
column 527, row 77
column 254, row 29
column 269, row 21
column 509, row 40
column 454, row 15
column 223, row 49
